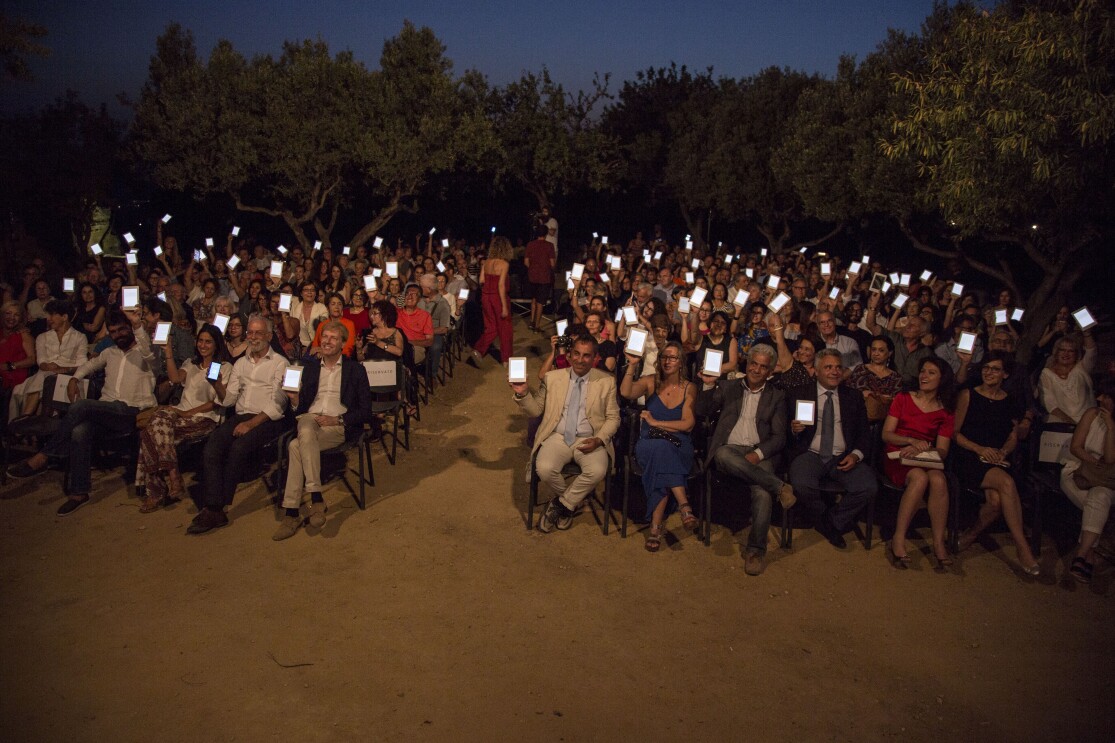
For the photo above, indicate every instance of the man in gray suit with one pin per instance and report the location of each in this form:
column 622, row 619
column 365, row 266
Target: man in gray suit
column 750, row 433
column 580, row 415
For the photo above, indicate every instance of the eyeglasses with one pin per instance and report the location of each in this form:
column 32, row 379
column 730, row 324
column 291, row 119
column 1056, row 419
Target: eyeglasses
column 670, row 358
column 996, row 369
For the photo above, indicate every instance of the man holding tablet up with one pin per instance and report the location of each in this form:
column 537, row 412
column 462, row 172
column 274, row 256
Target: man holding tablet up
column 332, row 406
column 256, row 390
column 831, row 446
column 750, row 435
column 580, row 415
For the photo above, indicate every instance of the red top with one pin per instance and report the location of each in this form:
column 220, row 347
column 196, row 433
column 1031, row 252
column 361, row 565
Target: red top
column 540, row 252
column 916, row 424
column 417, row 326
column 11, row 349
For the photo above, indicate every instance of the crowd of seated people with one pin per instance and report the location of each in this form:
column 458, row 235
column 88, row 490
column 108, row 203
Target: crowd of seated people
column 879, row 357
column 191, row 346
column 932, row 364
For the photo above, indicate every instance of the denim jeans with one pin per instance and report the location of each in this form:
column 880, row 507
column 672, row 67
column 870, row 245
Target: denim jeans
column 85, row 422
column 731, row 459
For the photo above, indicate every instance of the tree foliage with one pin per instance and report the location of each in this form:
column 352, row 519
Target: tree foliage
column 548, row 141
column 298, row 136
column 17, row 44
column 1009, row 125
column 58, row 164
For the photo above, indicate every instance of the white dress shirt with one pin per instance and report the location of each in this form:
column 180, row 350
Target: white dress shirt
column 128, row 374
column 328, row 399
column 257, row 386
column 69, row 351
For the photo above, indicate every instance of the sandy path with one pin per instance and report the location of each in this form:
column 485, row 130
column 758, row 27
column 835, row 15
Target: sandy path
column 435, row 615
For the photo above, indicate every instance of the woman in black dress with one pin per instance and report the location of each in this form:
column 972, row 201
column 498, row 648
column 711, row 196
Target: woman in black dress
column 985, row 436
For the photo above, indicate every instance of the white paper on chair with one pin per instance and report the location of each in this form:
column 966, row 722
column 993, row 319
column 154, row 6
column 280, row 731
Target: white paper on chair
column 380, row 373
column 62, row 383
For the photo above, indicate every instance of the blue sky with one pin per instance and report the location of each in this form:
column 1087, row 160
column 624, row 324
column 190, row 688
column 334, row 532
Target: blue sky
column 101, row 48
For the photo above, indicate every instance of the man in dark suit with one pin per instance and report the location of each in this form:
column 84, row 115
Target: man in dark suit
column 750, row 435
column 831, row 447
column 332, row 406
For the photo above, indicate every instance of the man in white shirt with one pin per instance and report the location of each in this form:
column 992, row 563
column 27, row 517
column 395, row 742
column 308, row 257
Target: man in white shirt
column 750, row 434
column 233, row 449
column 332, row 406
column 129, row 388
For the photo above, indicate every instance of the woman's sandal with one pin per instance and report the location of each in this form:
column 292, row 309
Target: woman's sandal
column 1081, row 570
column 688, row 520
column 899, row 561
column 654, row 538
column 943, row 562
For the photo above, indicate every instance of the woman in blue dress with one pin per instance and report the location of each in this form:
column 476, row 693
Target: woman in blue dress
column 664, row 449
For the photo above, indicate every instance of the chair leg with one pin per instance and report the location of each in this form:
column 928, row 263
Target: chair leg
column 1035, row 530
column 870, row 526
column 706, row 511
column 626, row 500
column 788, row 528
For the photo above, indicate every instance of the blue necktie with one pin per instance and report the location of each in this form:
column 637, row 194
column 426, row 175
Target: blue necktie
column 573, row 412
column 828, row 420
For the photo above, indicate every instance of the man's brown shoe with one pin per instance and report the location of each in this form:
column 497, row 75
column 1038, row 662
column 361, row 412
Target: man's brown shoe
column 786, row 496
column 317, row 515
column 287, row 528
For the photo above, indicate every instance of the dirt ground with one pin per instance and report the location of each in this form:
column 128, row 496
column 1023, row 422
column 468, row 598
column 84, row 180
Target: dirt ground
column 435, row 615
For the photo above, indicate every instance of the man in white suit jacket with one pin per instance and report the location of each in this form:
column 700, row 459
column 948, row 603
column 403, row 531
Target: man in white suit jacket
column 580, row 415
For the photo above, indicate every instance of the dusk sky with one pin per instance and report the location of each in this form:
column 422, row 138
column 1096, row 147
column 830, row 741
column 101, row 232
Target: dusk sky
column 101, row 48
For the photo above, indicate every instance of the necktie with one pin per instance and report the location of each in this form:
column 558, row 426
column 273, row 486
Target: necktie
column 573, row 411
column 828, row 419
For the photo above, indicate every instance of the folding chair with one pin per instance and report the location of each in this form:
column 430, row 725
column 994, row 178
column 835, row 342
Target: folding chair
column 389, row 387
column 571, row 470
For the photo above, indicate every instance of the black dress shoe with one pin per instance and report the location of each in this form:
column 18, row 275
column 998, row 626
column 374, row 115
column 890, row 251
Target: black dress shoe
column 829, row 531
column 23, row 471
column 207, row 520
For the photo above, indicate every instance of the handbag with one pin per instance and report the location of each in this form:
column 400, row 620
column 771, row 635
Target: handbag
column 1090, row 475
column 1054, row 446
column 654, row 432
column 143, row 417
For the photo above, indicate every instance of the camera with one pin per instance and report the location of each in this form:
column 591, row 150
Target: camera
column 564, row 342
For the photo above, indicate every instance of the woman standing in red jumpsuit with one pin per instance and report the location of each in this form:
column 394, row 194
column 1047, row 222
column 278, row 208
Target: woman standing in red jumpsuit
column 497, row 307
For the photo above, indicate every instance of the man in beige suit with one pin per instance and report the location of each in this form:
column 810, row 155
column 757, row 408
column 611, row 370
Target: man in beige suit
column 579, row 417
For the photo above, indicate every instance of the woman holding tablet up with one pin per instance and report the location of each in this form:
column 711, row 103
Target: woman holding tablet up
column 664, row 449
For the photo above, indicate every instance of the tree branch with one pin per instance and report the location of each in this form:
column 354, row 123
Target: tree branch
column 980, row 266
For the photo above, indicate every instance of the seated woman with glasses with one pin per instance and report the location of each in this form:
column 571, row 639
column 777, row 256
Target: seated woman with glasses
column 986, row 417
column 664, row 449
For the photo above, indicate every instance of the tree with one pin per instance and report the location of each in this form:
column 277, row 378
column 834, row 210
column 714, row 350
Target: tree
column 1009, row 125
column 743, row 132
column 57, row 165
column 296, row 137
column 650, row 114
column 548, row 141
column 17, row 43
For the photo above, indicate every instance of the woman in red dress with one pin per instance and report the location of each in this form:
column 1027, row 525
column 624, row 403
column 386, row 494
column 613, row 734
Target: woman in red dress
column 494, row 301
column 918, row 422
